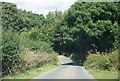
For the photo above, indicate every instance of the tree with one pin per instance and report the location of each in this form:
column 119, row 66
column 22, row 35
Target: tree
column 93, row 25
column 19, row 20
column 31, row 20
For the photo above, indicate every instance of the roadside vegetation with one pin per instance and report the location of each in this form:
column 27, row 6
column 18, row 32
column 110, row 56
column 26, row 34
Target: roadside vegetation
column 104, row 74
column 29, row 74
column 88, row 33
column 103, row 65
column 26, row 45
column 95, row 37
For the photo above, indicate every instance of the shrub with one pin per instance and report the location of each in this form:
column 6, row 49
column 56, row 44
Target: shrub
column 37, row 59
column 18, row 54
column 102, row 61
column 34, row 43
column 114, row 60
column 10, row 51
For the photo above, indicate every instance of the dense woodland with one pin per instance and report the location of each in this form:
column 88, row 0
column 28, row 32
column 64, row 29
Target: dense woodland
column 88, row 32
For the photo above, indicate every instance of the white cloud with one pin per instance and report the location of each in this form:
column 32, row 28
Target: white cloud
column 42, row 6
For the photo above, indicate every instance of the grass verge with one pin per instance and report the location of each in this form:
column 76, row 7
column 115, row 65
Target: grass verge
column 104, row 74
column 33, row 72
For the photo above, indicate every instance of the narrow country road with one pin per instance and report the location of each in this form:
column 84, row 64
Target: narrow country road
column 66, row 71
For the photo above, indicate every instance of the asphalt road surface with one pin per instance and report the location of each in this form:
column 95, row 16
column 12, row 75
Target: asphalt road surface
column 66, row 71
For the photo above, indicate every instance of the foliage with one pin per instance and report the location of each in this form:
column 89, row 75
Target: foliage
column 23, row 30
column 90, row 26
column 10, row 17
column 19, row 20
column 40, row 58
column 35, row 40
column 16, row 58
column 10, row 52
column 105, row 61
column 31, row 20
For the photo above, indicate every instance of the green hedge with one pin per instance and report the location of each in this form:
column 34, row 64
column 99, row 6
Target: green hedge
column 105, row 61
column 14, row 48
column 34, row 41
column 10, row 51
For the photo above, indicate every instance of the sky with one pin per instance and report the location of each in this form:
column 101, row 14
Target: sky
column 42, row 6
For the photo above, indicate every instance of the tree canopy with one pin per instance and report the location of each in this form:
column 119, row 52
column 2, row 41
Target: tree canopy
column 90, row 26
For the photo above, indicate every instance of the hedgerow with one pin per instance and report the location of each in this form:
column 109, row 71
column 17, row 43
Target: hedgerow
column 104, row 61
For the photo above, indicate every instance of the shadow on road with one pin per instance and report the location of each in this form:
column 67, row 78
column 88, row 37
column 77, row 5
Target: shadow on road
column 68, row 64
column 72, row 63
column 67, row 61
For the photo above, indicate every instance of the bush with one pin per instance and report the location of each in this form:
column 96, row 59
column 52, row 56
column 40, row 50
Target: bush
column 33, row 42
column 37, row 59
column 105, row 61
column 10, row 52
column 114, row 60
column 18, row 54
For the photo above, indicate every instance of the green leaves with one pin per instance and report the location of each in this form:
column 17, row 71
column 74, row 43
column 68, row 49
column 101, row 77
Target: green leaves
column 19, row 20
column 104, row 61
column 10, row 51
column 94, row 22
